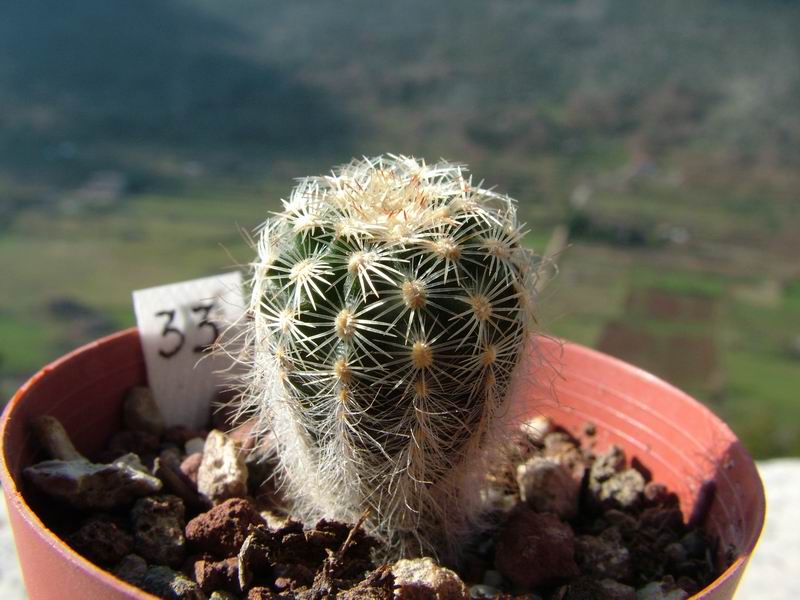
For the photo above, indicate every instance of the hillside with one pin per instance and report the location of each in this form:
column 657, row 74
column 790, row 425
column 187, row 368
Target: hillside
column 136, row 139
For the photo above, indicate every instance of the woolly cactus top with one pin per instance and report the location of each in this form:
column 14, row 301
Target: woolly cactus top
column 391, row 301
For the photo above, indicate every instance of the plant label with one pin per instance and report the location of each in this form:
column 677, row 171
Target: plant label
column 179, row 324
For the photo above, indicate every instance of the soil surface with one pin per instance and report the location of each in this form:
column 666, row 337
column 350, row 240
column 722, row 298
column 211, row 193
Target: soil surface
column 197, row 520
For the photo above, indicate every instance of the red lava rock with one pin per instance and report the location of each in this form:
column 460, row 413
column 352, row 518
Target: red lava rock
column 158, row 523
column 222, row 530
column 217, row 575
column 535, row 549
column 102, row 541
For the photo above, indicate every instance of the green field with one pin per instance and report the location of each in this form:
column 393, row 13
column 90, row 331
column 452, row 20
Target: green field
column 138, row 142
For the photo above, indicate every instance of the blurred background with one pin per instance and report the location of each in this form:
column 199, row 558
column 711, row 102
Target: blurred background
column 138, row 140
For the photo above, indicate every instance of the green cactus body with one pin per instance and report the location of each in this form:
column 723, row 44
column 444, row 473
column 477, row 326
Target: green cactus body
column 390, row 303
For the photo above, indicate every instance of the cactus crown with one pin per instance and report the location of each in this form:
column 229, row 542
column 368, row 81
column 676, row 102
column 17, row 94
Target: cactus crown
column 390, row 304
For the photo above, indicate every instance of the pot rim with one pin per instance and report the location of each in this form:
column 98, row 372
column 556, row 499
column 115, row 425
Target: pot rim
column 14, row 495
column 747, row 550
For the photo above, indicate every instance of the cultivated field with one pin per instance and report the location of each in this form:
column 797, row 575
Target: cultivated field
column 138, row 140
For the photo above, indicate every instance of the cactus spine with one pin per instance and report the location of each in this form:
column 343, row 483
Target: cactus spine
column 390, row 304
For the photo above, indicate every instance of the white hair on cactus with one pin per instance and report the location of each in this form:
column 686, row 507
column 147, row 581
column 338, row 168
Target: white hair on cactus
column 391, row 301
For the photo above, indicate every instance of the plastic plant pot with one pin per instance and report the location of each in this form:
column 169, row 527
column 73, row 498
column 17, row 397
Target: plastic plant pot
column 679, row 441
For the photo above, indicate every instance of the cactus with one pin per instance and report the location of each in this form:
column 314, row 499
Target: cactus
column 391, row 301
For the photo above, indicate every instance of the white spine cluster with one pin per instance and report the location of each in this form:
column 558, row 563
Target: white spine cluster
column 390, row 304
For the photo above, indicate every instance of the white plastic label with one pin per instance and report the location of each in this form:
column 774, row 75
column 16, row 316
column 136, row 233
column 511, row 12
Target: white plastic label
column 177, row 325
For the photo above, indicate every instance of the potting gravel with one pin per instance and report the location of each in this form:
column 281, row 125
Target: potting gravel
column 769, row 576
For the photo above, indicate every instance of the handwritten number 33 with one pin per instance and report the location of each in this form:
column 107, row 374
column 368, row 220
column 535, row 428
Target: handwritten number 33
column 170, row 330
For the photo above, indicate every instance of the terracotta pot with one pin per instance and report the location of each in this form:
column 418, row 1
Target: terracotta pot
column 682, row 443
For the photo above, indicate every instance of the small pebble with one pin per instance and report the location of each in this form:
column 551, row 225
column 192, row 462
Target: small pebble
column 196, row 444
column 419, row 578
column 675, row 553
column 242, row 436
column 695, row 544
column 86, row 485
column 54, row 439
column 158, row 523
column 274, row 520
column 190, row 466
column 377, row 585
column 606, row 465
column 560, row 447
column 658, row 590
column 143, row 443
column 656, row 493
column 167, row 467
column 661, row 519
column 492, row 578
column 536, row 429
column 624, row 489
column 547, row 486
column 170, row 585
column 477, row 592
column 588, row 588
column 131, row 460
column 222, row 473
column 262, row 593
column 141, row 413
column 178, row 435
column 131, row 568
column 102, row 541
column 625, row 523
column 603, row 556
column 292, row 576
column 614, row 590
